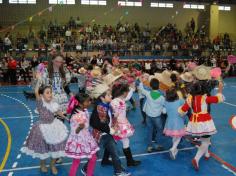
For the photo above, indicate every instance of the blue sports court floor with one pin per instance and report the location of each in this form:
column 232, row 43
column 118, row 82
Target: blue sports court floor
column 18, row 115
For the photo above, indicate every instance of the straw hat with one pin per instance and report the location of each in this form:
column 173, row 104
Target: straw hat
column 98, row 90
column 112, row 77
column 82, row 70
column 96, row 72
column 202, row 72
column 164, row 78
column 175, row 72
column 187, row 77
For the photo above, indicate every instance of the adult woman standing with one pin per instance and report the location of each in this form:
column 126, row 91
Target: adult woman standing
column 59, row 78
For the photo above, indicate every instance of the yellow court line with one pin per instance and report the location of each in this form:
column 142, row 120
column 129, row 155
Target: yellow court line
column 9, row 140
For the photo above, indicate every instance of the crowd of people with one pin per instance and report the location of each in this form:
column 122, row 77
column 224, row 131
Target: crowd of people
column 165, row 98
column 22, row 68
column 125, row 38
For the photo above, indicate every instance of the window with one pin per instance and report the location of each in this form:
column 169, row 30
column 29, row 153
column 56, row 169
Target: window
column 61, row 1
column 225, row 8
column 22, row 1
column 0, row 1
column 194, row 6
column 166, row 5
column 130, row 3
column 94, row 2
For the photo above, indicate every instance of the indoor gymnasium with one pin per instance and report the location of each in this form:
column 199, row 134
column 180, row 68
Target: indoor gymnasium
column 117, row 87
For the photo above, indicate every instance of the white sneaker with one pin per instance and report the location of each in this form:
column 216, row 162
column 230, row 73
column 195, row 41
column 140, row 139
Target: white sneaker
column 173, row 153
column 19, row 78
column 123, row 173
column 176, row 152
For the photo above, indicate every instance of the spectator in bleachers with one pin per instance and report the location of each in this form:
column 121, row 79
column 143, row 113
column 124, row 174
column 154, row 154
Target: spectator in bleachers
column 72, row 23
column 34, row 65
column 115, row 60
column 24, row 69
column 7, row 42
column 4, row 67
column 192, row 24
column 1, row 44
column 12, row 65
column 78, row 22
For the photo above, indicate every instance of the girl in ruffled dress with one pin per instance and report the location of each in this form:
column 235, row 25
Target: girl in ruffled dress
column 201, row 123
column 174, row 126
column 81, row 143
column 47, row 138
column 120, row 121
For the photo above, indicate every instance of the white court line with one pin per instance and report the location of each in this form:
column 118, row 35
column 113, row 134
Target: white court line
column 11, row 92
column 228, row 169
column 19, row 117
column 69, row 163
column 230, row 104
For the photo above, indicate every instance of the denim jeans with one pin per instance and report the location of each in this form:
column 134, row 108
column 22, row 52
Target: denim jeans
column 142, row 102
column 154, row 123
column 109, row 144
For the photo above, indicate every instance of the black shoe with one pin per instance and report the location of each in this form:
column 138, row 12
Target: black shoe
column 106, row 163
column 133, row 163
column 129, row 158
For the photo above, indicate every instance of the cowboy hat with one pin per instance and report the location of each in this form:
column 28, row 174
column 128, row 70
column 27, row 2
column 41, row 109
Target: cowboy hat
column 96, row 72
column 175, row 72
column 82, row 70
column 112, row 77
column 202, row 72
column 164, row 78
column 98, row 90
column 187, row 77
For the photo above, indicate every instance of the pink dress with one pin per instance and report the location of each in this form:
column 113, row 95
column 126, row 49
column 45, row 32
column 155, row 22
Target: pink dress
column 120, row 122
column 81, row 145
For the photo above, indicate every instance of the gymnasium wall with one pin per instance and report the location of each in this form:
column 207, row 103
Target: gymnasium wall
column 11, row 14
column 227, row 22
